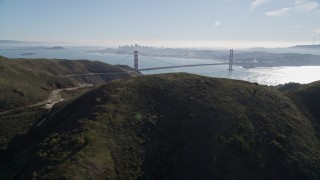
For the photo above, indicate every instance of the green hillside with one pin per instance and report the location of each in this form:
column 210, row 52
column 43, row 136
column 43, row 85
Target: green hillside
column 27, row 81
column 171, row 126
column 307, row 98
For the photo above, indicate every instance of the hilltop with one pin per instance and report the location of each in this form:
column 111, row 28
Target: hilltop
column 171, row 126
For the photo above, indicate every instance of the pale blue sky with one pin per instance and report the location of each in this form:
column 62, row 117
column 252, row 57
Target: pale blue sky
column 193, row 23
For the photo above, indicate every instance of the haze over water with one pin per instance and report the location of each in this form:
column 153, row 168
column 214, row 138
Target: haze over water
column 267, row 76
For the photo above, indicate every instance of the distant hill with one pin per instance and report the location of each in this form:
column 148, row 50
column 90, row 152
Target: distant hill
column 10, row 41
column 173, row 126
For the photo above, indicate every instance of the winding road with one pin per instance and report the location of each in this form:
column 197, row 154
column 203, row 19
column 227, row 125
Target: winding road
column 54, row 97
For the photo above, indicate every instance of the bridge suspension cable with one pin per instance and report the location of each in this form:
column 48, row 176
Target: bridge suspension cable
column 122, row 59
column 154, row 58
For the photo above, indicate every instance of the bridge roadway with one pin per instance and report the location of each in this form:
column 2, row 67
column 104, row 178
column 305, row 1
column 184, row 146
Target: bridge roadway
column 244, row 64
column 178, row 66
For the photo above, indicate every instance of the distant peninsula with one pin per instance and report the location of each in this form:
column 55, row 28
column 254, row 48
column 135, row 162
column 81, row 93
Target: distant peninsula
column 42, row 48
column 314, row 46
column 30, row 45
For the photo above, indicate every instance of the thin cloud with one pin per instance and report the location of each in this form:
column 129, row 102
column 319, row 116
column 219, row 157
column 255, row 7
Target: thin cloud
column 278, row 12
column 300, row 6
column 256, row 3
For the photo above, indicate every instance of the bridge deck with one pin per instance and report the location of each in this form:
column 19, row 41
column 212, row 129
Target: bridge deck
column 178, row 66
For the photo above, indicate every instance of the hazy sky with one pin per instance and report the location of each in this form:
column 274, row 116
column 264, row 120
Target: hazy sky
column 193, row 23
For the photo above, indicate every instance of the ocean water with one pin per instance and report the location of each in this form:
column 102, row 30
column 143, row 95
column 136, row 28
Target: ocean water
column 266, row 76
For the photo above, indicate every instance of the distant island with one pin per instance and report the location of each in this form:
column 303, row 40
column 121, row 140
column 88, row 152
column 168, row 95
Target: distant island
column 55, row 48
column 27, row 54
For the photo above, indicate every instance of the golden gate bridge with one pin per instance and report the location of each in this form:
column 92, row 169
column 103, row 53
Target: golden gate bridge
column 136, row 64
column 137, row 69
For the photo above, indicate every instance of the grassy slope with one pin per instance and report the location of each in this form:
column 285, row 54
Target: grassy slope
column 27, row 81
column 307, row 98
column 17, row 123
column 20, row 86
column 176, row 126
column 17, row 137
